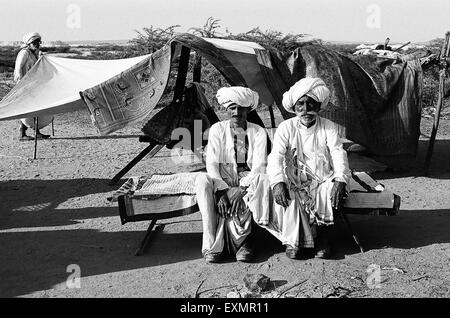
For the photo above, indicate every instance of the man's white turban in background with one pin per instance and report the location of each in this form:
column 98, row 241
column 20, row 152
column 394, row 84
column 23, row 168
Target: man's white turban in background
column 309, row 86
column 242, row 96
column 30, row 37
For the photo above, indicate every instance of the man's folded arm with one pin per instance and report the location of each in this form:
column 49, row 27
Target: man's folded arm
column 276, row 157
column 213, row 157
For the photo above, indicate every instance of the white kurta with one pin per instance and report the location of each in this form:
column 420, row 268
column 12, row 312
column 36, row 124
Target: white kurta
column 319, row 155
column 220, row 155
column 222, row 174
column 25, row 60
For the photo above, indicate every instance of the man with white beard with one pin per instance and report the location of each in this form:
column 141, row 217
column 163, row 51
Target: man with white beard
column 308, row 171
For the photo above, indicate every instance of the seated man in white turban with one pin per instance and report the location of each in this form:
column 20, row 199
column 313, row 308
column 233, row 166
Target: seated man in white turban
column 25, row 60
column 235, row 189
column 308, row 171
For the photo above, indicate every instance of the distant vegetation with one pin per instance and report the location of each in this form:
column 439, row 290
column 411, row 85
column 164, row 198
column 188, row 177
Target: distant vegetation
column 152, row 38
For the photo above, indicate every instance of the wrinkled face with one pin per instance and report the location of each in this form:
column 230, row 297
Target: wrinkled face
column 307, row 109
column 35, row 45
column 238, row 114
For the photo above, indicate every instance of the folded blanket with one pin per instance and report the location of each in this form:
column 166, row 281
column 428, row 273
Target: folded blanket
column 170, row 184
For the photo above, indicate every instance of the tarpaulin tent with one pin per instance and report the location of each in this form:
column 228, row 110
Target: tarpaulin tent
column 376, row 102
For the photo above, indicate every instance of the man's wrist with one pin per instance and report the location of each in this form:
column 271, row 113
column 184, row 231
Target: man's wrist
column 220, row 193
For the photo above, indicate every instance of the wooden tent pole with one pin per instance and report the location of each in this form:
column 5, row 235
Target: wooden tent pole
column 272, row 116
column 36, row 123
column 196, row 77
column 443, row 65
column 181, row 76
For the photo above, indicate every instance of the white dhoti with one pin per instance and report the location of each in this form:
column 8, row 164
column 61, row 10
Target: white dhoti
column 223, row 173
column 308, row 160
column 295, row 225
column 220, row 233
column 43, row 121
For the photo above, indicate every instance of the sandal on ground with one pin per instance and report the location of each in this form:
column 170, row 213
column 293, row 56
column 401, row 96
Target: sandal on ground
column 26, row 138
column 292, row 252
column 245, row 252
column 212, row 257
column 42, row 136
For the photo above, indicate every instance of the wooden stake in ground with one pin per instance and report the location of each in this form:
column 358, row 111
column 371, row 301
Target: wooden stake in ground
column 443, row 69
column 36, row 123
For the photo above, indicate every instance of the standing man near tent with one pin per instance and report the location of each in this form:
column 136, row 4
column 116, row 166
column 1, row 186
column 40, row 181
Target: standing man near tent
column 308, row 171
column 235, row 189
column 26, row 58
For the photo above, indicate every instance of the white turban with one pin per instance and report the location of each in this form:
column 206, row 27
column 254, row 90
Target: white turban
column 243, row 96
column 30, row 37
column 309, row 86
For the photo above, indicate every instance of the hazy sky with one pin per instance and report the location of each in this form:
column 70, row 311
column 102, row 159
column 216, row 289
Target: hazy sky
column 344, row 20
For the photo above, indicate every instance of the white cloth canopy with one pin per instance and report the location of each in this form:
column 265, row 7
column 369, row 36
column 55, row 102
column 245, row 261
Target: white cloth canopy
column 53, row 84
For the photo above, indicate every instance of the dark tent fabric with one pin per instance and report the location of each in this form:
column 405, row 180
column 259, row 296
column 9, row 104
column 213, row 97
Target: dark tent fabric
column 376, row 102
column 194, row 107
column 195, row 115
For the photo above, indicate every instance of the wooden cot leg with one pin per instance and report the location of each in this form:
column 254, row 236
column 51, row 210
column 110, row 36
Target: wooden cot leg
column 355, row 237
column 146, row 239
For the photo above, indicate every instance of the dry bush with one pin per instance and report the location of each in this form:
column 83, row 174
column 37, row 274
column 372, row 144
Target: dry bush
column 273, row 40
column 208, row 30
column 149, row 40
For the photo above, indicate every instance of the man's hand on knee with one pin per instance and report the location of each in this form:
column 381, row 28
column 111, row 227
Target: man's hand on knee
column 236, row 195
column 223, row 203
column 281, row 194
column 338, row 194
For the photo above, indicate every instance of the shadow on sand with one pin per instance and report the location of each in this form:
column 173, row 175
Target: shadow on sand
column 33, row 203
column 414, row 167
column 40, row 258
column 410, row 229
column 96, row 137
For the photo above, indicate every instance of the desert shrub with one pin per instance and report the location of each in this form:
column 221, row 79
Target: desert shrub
column 149, row 40
column 208, row 30
column 272, row 40
column 6, row 83
column 430, row 92
column 8, row 58
column 56, row 49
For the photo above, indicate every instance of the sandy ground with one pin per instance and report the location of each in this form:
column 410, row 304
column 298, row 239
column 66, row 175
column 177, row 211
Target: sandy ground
column 54, row 213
